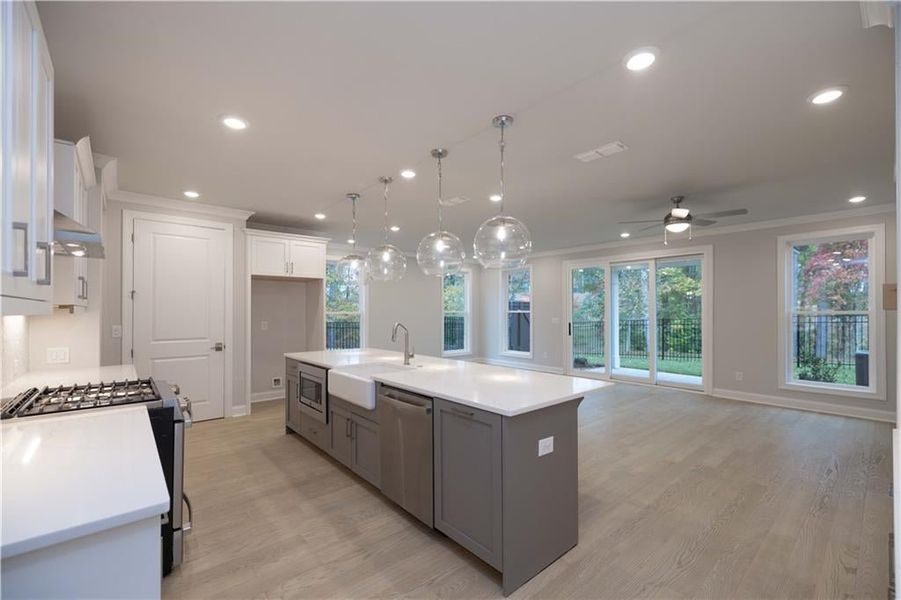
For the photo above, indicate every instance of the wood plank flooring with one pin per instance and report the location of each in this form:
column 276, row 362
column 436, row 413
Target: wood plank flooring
column 681, row 496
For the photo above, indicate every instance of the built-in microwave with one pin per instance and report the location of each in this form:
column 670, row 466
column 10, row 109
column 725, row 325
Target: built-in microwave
column 311, row 392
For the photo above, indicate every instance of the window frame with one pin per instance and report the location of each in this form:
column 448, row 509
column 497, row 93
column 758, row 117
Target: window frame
column 467, row 315
column 364, row 304
column 503, row 306
column 876, row 322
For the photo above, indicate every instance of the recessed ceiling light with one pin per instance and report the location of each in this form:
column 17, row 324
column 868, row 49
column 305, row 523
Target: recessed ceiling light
column 625, row 234
column 350, row 240
column 857, row 199
column 233, row 122
column 395, row 228
column 641, row 59
column 827, row 96
column 319, row 216
column 495, row 197
column 191, row 194
column 408, row 173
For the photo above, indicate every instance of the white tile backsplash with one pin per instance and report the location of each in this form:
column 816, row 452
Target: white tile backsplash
column 14, row 352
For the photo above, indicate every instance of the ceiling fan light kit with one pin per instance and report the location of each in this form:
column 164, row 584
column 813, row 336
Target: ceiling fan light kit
column 502, row 242
column 679, row 219
column 386, row 262
column 440, row 252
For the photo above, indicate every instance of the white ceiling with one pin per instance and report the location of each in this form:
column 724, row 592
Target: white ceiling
column 338, row 94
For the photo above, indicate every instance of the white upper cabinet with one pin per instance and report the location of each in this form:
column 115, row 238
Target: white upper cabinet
column 283, row 255
column 26, row 128
column 74, row 177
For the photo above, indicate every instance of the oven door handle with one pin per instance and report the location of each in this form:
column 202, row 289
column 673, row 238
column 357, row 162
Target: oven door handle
column 188, row 525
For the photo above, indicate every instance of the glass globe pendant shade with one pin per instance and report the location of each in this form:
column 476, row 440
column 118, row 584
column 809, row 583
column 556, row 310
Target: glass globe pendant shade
column 502, row 242
column 440, row 253
column 386, row 263
column 351, row 267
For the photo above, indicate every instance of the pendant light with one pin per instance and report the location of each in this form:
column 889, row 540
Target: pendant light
column 502, row 242
column 440, row 252
column 386, row 262
column 350, row 268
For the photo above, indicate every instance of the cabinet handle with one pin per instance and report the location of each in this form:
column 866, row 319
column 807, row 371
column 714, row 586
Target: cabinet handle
column 292, row 267
column 347, row 428
column 23, row 227
column 460, row 411
column 45, row 246
column 85, row 279
column 80, row 295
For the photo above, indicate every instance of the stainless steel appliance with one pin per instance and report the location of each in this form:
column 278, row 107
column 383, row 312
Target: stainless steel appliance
column 312, row 391
column 169, row 415
column 405, row 437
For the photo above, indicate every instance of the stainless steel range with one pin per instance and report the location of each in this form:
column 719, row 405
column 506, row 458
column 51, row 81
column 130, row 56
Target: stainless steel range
column 169, row 415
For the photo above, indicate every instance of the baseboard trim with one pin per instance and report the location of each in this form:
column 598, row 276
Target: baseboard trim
column 859, row 412
column 267, row 395
column 498, row 362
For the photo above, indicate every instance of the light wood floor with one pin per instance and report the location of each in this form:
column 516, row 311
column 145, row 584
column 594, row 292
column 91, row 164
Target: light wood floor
column 681, row 496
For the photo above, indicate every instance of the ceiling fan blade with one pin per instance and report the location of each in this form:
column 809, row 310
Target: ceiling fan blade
column 725, row 213
column 645, row 221
column 702, row 222
column 648, row 227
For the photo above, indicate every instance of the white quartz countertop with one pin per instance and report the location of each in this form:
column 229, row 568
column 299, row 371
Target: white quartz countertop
column 68, row 476
column 57, row 377
column 501, row 390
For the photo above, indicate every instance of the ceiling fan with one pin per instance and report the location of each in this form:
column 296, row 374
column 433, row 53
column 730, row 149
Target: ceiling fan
column 679, row 219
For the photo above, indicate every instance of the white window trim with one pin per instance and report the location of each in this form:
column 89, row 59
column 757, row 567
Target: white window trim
column 502, row 274
column 467, row 316
column 364, row 306
column 877, row 388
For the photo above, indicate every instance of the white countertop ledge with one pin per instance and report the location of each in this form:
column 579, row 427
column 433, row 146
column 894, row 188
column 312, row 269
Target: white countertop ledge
column 68, row 476
column 501, row 390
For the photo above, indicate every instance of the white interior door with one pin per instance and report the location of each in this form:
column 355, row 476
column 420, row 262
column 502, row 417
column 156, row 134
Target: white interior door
column 179, row 310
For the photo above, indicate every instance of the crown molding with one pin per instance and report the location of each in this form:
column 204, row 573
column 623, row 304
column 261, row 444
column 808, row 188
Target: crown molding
column 849, row 213
column 181, row 205
column 285, row 235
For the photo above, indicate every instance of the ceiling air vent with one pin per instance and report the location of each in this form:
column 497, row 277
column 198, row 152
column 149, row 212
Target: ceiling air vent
column 455, row 201
column 602, row 152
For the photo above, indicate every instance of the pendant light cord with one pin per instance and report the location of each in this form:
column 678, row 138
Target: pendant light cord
column 502, row 145
column 440, row 225
column 386, row 181
column 354, row 213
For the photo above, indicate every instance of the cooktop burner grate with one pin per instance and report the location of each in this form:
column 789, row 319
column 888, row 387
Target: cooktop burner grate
column 76, row 397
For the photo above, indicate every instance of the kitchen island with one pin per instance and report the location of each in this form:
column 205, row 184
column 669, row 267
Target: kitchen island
column 502, row 480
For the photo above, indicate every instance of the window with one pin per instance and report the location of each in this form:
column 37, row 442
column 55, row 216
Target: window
column 832, row 337
column 456, row 300
column 343, row 311
column 517, row 321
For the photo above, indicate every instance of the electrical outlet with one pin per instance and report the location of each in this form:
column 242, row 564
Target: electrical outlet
column 264, row 325
column 545, row 445
column 739, row 376
column 57, row 356
column 117, row 331
column 276, row 382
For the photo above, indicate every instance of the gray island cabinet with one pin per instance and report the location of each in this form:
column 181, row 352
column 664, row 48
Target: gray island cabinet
column 496, row 497
column 499, row 475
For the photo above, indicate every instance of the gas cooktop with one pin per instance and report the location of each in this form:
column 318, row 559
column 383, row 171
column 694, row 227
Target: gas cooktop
column 52, row 400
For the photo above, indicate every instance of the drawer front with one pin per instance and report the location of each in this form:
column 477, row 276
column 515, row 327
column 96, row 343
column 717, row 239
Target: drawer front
column 314, row 431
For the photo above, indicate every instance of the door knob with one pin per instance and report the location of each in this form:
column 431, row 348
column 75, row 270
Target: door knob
column 219, row 347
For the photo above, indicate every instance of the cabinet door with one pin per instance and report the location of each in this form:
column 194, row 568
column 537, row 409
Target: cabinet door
column 340, row 442
column 307, row 260
column 268, row 256
column 468, row 478
column 366, row 451
column 292, row 405
column 42, row 167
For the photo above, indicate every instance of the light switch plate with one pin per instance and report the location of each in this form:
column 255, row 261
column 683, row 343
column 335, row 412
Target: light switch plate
column 264, row 325
column 545, row 445
column 117, row 331
column 57, row 356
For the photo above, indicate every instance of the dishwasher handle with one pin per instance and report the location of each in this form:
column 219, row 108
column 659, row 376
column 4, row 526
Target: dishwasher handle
column 409, row 399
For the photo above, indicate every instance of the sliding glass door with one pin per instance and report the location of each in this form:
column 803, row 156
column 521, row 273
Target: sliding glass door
column 637, row 321
column 586, row 329
column 632, row 335
column 679, row 301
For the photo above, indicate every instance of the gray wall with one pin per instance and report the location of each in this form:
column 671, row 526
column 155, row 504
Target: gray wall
column 111, row 348
column 745, row 307
column 282, row 304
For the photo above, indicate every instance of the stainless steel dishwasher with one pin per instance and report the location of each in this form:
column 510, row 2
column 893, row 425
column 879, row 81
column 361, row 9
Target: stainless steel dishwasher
column 405, row 436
